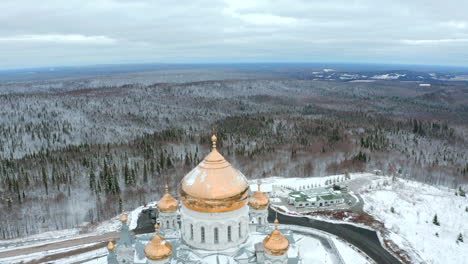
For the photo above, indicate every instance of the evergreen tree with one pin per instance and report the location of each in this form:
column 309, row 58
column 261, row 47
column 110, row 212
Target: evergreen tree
column 115, row 184
column 44, row 180
column 26, row 179
column 152, row 167
column 99, row 187
column 145, row 173
column 17, row 188
column 92, row 180
column 107, row 178
column 187, row 160
column 161, row 160
column 461, row 192
column 132, row 177
column 126, row 174
column 169, row 162
column 435, row 221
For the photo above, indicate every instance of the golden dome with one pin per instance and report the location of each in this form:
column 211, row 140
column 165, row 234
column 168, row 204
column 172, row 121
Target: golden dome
column 214, row 185
column 167, row 204
column 124, row 217
column 259, row 200
column 110, row 246
column 276, row 244
column 158, row 248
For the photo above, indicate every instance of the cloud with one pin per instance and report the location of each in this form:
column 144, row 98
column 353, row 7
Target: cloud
column 67, row 38
column 433, row 41
column 113, row 31
column 456, row 24
column 266, row 19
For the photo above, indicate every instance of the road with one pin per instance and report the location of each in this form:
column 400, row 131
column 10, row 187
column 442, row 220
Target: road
column 62, row 244
column 364, row 239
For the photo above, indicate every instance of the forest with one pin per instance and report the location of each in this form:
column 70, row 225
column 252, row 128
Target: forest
column 74, row 157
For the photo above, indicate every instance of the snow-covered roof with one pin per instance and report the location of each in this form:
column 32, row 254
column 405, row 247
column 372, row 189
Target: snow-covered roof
column 265, row 187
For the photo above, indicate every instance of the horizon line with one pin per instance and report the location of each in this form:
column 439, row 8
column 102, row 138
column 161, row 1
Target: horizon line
column 226, row 63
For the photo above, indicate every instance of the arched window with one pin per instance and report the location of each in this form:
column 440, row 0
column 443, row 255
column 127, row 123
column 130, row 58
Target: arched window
column 191, row 231
column 203, row 234
column 229, row 234
column 216, row 235
column 167, row 224
column 259, row 220
column 240, row 230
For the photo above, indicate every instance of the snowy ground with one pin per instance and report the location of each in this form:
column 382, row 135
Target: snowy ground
column 415, row 205
column 349, row 254
column 41, row 254
column 98, row 256
column 111, row 225
column 311, row 249
column 39, row 239
column 94, row 256
column 108, row 226
column 307, row 183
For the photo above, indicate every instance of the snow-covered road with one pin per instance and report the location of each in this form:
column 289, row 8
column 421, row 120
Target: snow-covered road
column 98, row 240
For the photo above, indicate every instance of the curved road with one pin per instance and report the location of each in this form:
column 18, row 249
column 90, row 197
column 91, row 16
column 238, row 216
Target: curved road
column 364, row 239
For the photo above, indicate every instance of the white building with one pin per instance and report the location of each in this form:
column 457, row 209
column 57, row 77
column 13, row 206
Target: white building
column 216, row 214
column 316, row 198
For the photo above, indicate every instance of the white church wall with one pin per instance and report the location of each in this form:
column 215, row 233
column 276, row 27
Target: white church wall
column 209, row 221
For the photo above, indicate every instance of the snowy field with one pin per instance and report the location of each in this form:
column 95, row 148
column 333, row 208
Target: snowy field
column 411, row 224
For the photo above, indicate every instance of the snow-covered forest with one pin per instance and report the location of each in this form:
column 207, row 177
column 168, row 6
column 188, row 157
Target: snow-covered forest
column 77, row 156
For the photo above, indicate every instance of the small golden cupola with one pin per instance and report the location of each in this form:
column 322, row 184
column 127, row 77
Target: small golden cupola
column 110, row 246
column 158, row 248
column 214, row 186
column 124, row 217
column 168, row 204
column 276, row 244
column 259, row 200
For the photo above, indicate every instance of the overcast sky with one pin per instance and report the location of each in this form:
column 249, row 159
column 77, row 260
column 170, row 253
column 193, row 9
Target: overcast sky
column 82, row 32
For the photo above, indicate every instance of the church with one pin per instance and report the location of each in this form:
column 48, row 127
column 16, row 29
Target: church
column 217, row 220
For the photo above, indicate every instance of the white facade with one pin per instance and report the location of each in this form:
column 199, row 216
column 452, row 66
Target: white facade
column 124, row 254
column 215, row 231
column 258, row 217
column 168, row 221
column 316, row 202
column 270, row 259
column 163, row 261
